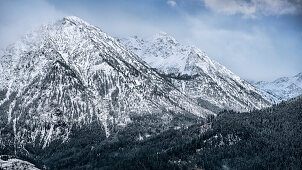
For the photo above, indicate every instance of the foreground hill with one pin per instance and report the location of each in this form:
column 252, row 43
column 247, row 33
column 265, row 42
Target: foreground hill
column 263, row 139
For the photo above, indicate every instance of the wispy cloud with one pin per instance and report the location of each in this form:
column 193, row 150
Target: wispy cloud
column 252, row 8
column 20, row 17
column 171, row 3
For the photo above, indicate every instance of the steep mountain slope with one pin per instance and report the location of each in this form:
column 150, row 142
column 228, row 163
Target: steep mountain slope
column 194, row 73
column 69, row 76
column 281, row 89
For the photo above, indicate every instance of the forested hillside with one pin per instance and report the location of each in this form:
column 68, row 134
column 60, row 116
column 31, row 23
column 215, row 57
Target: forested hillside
column 262, row 139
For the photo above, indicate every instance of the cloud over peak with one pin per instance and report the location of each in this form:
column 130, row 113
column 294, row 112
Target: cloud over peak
column 252, row 8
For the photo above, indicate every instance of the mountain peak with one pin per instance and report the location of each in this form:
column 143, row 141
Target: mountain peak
column 74, row 19
column 162, row 33
column 164, row 37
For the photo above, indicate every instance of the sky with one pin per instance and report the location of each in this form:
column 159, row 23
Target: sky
column 255, row 39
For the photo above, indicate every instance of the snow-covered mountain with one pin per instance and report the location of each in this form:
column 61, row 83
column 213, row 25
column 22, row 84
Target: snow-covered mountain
column 195, row 74
column 69, row 75
column 282, row 88
column 8, row 162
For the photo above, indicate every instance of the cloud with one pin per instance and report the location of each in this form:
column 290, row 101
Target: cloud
column 171, row 3
column 252, row 8
column 19, row 17
column 230, row 6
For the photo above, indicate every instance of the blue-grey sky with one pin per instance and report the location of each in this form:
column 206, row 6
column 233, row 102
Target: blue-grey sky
column 256, row 39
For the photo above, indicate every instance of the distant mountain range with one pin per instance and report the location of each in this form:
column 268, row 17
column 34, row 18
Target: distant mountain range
column 281, row 89
column 195, row 74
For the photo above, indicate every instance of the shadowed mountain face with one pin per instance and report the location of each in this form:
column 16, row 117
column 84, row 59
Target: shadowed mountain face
column 194, row 73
